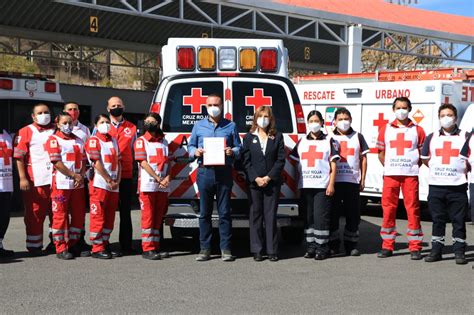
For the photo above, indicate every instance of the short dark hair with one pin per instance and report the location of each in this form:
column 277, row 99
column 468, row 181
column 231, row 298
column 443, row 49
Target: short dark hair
column 59, row 115
column 448, row 106
column 71, row 102
column 98, row 117
column 36, row 105
column 215, row 95
column 342, row 111
column 402, row 99
column 317, row 113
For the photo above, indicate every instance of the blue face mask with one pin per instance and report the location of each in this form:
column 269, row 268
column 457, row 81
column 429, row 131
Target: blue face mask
column 66, row 129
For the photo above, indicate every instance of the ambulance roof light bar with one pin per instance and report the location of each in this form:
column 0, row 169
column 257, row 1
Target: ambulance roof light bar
column 186, row 58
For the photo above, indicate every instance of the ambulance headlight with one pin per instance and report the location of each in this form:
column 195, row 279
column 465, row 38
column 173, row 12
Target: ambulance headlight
column 248, row 59
column 207, row 59
column 228, row 59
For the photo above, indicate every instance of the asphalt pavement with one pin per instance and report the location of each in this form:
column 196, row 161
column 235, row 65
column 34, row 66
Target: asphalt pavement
column 179, row 284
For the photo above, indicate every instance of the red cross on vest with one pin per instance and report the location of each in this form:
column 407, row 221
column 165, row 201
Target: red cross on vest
column 380, row 122
column 345, row 151
column 158, row 159
column 5, row 153
column 312, row 155
column 446, row 152
column 258, row 99
column 112, row 159
column 196, row 100
column 400, row 144
column 75, row 157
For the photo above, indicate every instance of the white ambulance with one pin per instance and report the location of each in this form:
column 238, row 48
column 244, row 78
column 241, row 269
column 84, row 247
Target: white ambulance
column 369, row 98
column 248, row 73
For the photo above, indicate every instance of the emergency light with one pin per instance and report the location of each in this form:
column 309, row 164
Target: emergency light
column 186, row 58
column 227, row 58
column 206, row 59
column 6, row 84
column 50, row 87
column 268, row 60
column 248, row 59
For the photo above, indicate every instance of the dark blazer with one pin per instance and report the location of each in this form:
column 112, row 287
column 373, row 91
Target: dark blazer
column 258, row 165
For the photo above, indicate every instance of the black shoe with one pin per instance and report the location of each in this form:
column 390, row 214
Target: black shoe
column 101, row 255
column 36, row 252
column 258, row 257
column 4, row 253
column 51, row 248
column 114, row 253
column 309, row 255
column 79, row 251
column 273, row 258
column 415, row 255
column 384, row 253
column 65, row 255
column 353, row 252
column 151, row 255
column 433, row 257
column 321, row 255
column 460, row 259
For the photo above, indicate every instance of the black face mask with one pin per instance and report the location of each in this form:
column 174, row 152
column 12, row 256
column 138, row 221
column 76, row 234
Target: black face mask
column 116, row 112
column 151, row 127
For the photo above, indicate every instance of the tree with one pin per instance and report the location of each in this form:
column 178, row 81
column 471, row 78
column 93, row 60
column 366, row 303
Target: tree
column 17, row 64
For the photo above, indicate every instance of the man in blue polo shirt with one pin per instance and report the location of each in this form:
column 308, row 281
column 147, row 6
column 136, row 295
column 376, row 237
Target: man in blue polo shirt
column 215, row 180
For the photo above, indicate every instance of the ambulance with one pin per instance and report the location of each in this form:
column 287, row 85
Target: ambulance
column 248, row 73
column 369, row 98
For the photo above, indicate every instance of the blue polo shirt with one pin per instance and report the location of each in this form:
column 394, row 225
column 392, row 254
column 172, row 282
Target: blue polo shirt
column 206, row 128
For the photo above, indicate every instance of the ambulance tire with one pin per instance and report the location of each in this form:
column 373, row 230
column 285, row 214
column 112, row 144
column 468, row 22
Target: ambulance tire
column 292, row 235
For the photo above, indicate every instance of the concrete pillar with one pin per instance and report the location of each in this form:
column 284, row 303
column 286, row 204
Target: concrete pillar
column 350, row 55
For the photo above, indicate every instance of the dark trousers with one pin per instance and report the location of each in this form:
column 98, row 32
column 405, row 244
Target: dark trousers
column 471, row 193
column 125, row 208
column 448, row 203
column 5, row 208
column 215, row 181
column 318, row 208
column 263, row 209
column 347, row 202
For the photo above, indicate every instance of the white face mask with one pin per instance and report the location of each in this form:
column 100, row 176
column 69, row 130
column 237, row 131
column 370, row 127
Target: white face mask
column 314, row 127
column 103, row 128
column 43, row 119
column 447, row 122
column 401, row 114
column 263, row 122
column 214, row 111
column 66, row 129
column 343, row 125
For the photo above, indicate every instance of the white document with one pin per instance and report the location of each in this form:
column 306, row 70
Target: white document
column 214, row 151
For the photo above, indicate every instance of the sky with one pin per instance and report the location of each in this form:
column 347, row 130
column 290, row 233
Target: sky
column 459, row 7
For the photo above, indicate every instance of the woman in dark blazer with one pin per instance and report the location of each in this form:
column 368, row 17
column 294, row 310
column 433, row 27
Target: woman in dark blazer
column 264, row 159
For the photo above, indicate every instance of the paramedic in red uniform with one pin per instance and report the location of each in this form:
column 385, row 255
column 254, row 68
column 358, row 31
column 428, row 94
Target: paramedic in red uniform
column 350, row 179
column 445, row 152
column 66, row 152
column 35, row 172
column 103, row 154
column 6, row 187
column 151, row 153
column 399, row 144
column 126, row 133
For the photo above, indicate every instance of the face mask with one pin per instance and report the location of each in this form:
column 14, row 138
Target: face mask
column 103, row 128
column 66, row 129
column 151, row 127
column 263, row 122
column 43, row 119
column 343, row 125
column 401, row 114
column 214, row 111
column 116, row 112
column 314, row 127
column 74, row 114
column 447, row 122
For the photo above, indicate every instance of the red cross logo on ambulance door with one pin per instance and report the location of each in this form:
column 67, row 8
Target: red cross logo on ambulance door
column 380, row 122
column 446, row 152
column 258, row 99
column 196, row 100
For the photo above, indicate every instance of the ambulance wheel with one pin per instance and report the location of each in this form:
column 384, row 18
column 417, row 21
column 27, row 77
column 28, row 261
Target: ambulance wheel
column 292, row 235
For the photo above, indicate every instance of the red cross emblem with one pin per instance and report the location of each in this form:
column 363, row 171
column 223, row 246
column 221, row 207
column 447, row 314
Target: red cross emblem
column 5, row 153
column 312, row 155
column 400, row 144
column 345, row 151
column 446, row 152
column 196, row 100
column 258, row 99
column 380, row 122
column 75, row 157
column 112, row 159
column 158, row 159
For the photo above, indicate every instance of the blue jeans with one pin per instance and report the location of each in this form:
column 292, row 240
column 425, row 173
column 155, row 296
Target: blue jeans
column 215, row 181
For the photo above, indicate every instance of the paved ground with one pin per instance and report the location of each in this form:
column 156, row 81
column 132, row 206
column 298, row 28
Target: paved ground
column 363, row 284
